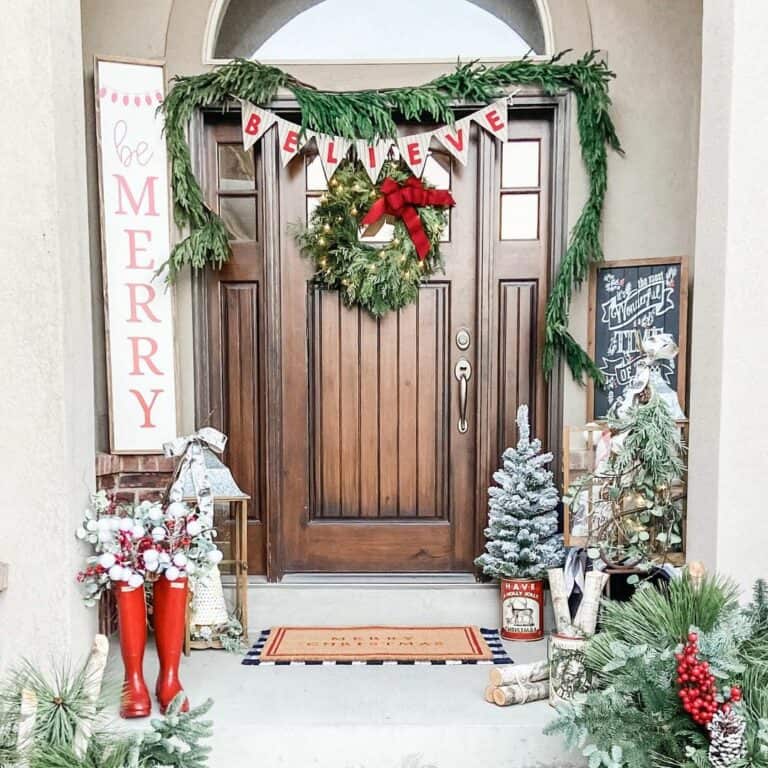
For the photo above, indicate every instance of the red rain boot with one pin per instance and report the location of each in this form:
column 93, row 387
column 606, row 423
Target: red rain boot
column 170, row 614
column 132, row 618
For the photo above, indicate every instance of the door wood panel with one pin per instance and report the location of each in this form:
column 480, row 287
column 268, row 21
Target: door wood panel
column 378, row 409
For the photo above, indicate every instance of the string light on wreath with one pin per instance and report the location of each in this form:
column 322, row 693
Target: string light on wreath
column 381, row 277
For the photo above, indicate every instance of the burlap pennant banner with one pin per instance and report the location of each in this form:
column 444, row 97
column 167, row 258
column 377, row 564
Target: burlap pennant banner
column 414, row 149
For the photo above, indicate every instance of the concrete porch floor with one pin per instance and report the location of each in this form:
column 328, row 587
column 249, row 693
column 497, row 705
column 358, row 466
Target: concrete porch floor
column 364, row 717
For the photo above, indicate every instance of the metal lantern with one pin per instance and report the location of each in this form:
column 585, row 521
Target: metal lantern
column 224, row 489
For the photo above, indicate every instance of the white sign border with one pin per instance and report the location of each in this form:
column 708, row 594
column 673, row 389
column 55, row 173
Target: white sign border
column 155, row 449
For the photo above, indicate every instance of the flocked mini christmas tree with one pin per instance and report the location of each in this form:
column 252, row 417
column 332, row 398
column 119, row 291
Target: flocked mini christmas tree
column 523, row 541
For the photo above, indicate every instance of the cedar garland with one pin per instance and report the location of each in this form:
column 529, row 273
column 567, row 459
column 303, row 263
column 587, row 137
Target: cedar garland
column 370, row 114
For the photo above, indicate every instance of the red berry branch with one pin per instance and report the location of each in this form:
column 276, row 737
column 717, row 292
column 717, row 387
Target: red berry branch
column 698, row 692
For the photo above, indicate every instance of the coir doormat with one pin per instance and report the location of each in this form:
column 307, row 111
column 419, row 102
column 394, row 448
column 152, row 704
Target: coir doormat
column 377, row 645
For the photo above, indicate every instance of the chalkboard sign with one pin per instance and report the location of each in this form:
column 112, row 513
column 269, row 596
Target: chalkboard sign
column 629, row 300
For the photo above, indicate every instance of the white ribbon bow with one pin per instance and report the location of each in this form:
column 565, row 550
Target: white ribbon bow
column 191, row 448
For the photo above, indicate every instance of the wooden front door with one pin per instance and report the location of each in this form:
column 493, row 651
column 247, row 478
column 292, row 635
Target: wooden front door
column 371, row 469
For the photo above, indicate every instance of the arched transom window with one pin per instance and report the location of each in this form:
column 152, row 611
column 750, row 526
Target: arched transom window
column 351, row 30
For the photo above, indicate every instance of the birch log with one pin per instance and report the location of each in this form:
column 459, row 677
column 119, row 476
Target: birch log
column 93, row 675
column 560, row 601
column 586, row 617
column 27, row 715
column 508, row 674
column 489, row 693
column 506, row 695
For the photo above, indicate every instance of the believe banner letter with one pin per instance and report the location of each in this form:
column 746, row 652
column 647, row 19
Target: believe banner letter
column 256, row 122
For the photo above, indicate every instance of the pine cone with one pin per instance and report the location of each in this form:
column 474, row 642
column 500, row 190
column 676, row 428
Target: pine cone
column 726, row 734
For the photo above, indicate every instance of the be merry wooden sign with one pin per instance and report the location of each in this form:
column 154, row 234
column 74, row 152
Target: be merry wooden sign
column 133, row 180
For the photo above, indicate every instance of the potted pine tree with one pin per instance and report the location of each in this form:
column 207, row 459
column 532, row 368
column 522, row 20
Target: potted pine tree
column 522, row 534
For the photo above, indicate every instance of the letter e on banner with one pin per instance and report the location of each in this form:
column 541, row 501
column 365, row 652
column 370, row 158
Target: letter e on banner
column 288, row 135
column 494, row 119
column 414, row 150
column 135, row 219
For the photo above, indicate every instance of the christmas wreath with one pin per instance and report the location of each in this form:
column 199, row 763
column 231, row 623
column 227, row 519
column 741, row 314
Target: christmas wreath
column 378, row 277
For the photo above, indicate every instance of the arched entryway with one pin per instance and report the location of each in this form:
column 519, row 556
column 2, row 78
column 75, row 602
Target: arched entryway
column 343, row 427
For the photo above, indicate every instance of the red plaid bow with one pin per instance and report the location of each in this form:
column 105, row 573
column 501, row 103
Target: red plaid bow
column 401, row 200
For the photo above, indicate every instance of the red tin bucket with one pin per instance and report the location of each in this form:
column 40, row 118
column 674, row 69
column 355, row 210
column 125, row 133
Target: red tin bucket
column 522, row 609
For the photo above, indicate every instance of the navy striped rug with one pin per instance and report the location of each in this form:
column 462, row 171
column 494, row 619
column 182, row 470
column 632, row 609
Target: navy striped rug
column 491, row 637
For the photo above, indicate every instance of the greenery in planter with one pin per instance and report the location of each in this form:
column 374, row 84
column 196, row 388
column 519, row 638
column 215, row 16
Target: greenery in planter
column 636, row 716
column 636, row 493
column 523, row 541
column 64, row 708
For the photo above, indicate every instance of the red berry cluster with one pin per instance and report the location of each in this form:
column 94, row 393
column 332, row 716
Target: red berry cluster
column 698, row 692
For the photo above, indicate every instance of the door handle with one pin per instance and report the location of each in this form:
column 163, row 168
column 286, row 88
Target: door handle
column 463, row 373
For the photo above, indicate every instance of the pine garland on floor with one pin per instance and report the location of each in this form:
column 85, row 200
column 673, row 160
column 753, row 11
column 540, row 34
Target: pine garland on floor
column 64, row 707
column 370, row 114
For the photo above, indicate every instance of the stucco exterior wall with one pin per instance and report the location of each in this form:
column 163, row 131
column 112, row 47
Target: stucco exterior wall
column 729, row 447
column 46, row 412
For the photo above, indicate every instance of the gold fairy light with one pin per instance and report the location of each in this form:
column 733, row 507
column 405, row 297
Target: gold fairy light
column 354, row 211
column 326, row 227
column 321, row 241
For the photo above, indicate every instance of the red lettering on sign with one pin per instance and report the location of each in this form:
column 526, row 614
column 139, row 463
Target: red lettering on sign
column 291, row 143
column 134, row 248
column 146, row 408
column 457, row 141
column 494, row 120
column 136, row 303
column 414, row 153
column 252, row 126
column 148, row 189
column 137, row 356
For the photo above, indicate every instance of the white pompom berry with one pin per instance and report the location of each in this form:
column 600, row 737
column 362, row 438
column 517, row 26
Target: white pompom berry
column 138, row 531
column 91, row 525
column 177, row 509
column 135, row 580
column 215, row 556
column 116, row 573
column 126, row 524
column 158, row 533
column 107, row 560
column 180, row 559
column 156, row 513
column 165, row 557
column 172, row 573
column 104, row 524
column 194, row 528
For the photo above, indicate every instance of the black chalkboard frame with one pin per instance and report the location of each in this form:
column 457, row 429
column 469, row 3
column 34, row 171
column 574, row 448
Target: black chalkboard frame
column 682, row 341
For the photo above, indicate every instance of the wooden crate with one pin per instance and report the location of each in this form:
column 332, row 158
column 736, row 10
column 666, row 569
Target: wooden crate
column 579, row 452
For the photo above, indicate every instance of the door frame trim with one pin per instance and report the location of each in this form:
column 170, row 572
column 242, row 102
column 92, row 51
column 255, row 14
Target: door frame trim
column 558, row 108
